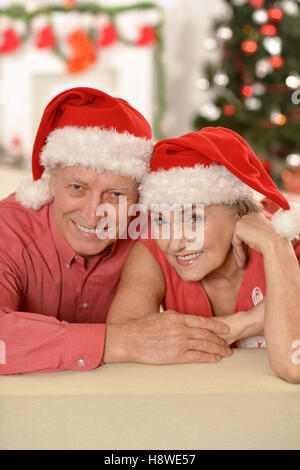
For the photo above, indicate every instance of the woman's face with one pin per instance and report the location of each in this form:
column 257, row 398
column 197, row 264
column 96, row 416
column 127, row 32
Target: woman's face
column 196, row 263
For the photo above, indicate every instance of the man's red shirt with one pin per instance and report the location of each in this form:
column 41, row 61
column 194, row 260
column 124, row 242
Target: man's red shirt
column 52, row 308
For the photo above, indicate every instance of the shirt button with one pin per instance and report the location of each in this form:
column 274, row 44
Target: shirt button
column 81, row 363
column 85, row 305
column 67, row 266
column 76, row 257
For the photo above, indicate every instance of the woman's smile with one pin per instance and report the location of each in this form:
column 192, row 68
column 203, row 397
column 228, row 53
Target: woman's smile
column 189, row 258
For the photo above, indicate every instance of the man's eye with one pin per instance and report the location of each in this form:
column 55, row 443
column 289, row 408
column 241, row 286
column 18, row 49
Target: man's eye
column 76, row 186
column 117, row 194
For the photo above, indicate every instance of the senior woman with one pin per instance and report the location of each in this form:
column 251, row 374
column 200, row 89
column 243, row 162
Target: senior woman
column 243, row 270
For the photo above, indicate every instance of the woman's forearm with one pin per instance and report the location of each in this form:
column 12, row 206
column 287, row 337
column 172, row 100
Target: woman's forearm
column 245, row 323
column 282, row 310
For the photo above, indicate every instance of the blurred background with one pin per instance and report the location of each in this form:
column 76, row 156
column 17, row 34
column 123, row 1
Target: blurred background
column 184, row 64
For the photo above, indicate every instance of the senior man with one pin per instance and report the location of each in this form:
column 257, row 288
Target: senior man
column 57, row 276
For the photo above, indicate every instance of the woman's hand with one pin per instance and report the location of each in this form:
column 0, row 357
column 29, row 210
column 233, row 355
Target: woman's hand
column 244, row 324
column 253, row 230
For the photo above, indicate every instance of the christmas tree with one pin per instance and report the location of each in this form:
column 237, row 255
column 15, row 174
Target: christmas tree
column 256, row 82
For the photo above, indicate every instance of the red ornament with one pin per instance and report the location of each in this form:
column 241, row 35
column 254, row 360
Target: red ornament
column 107, row 36
column 147, row 36
column 229, row 110
column 276, row 61
column 257, row 3
column 45, row 38
column 268, row 30
column 10, row 41
column 249, row 46
column 247, row 91
column 275, row 14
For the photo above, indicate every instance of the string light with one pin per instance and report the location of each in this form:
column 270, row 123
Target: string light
column 276, row 62
column 249, row 47
column 293, row 81
column 275, row 14
column 260, row 16
column 247, row 91
column 278, row 118
column 268, row 30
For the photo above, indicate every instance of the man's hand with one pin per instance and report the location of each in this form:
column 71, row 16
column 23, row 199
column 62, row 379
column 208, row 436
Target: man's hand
column 166, row 338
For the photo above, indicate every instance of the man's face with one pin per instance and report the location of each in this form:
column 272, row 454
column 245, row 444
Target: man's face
column 77, row 193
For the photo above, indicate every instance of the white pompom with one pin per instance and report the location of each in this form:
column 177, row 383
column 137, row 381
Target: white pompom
column 287, row 223
column 34, row 194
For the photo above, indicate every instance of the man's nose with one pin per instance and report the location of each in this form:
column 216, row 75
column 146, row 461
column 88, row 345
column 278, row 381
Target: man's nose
column 89, row 210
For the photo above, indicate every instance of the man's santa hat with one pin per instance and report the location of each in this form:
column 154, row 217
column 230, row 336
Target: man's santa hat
column 214, row 166
column 86, row 127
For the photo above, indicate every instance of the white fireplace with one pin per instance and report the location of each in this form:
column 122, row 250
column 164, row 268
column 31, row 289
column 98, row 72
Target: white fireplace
column 30, row 78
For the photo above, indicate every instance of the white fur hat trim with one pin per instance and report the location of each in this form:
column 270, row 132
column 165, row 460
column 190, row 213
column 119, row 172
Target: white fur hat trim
column 196, row 185
column 89, row 147
column 98, row 149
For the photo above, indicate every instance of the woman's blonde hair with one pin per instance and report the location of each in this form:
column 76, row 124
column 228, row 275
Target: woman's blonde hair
column 246, row 206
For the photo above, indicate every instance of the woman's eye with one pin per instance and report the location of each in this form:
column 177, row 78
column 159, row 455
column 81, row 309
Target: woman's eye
column 117, row 194
column 159, row 220
column 197, row 218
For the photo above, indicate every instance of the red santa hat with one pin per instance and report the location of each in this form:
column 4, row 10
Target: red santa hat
column 86, row 127
column 214, row 166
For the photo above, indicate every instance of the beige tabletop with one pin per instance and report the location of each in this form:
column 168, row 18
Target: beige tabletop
column 238, row 403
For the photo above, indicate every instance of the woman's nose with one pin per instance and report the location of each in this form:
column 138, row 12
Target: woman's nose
column 177, row 240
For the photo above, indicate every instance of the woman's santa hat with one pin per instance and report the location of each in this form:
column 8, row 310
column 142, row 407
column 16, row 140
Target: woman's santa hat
column 86, row 127
column 214, row 166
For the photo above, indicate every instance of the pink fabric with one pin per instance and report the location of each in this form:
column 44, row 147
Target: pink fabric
column 52, row 309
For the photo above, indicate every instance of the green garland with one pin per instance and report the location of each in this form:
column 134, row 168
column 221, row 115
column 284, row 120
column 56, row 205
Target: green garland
column 19, row 13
